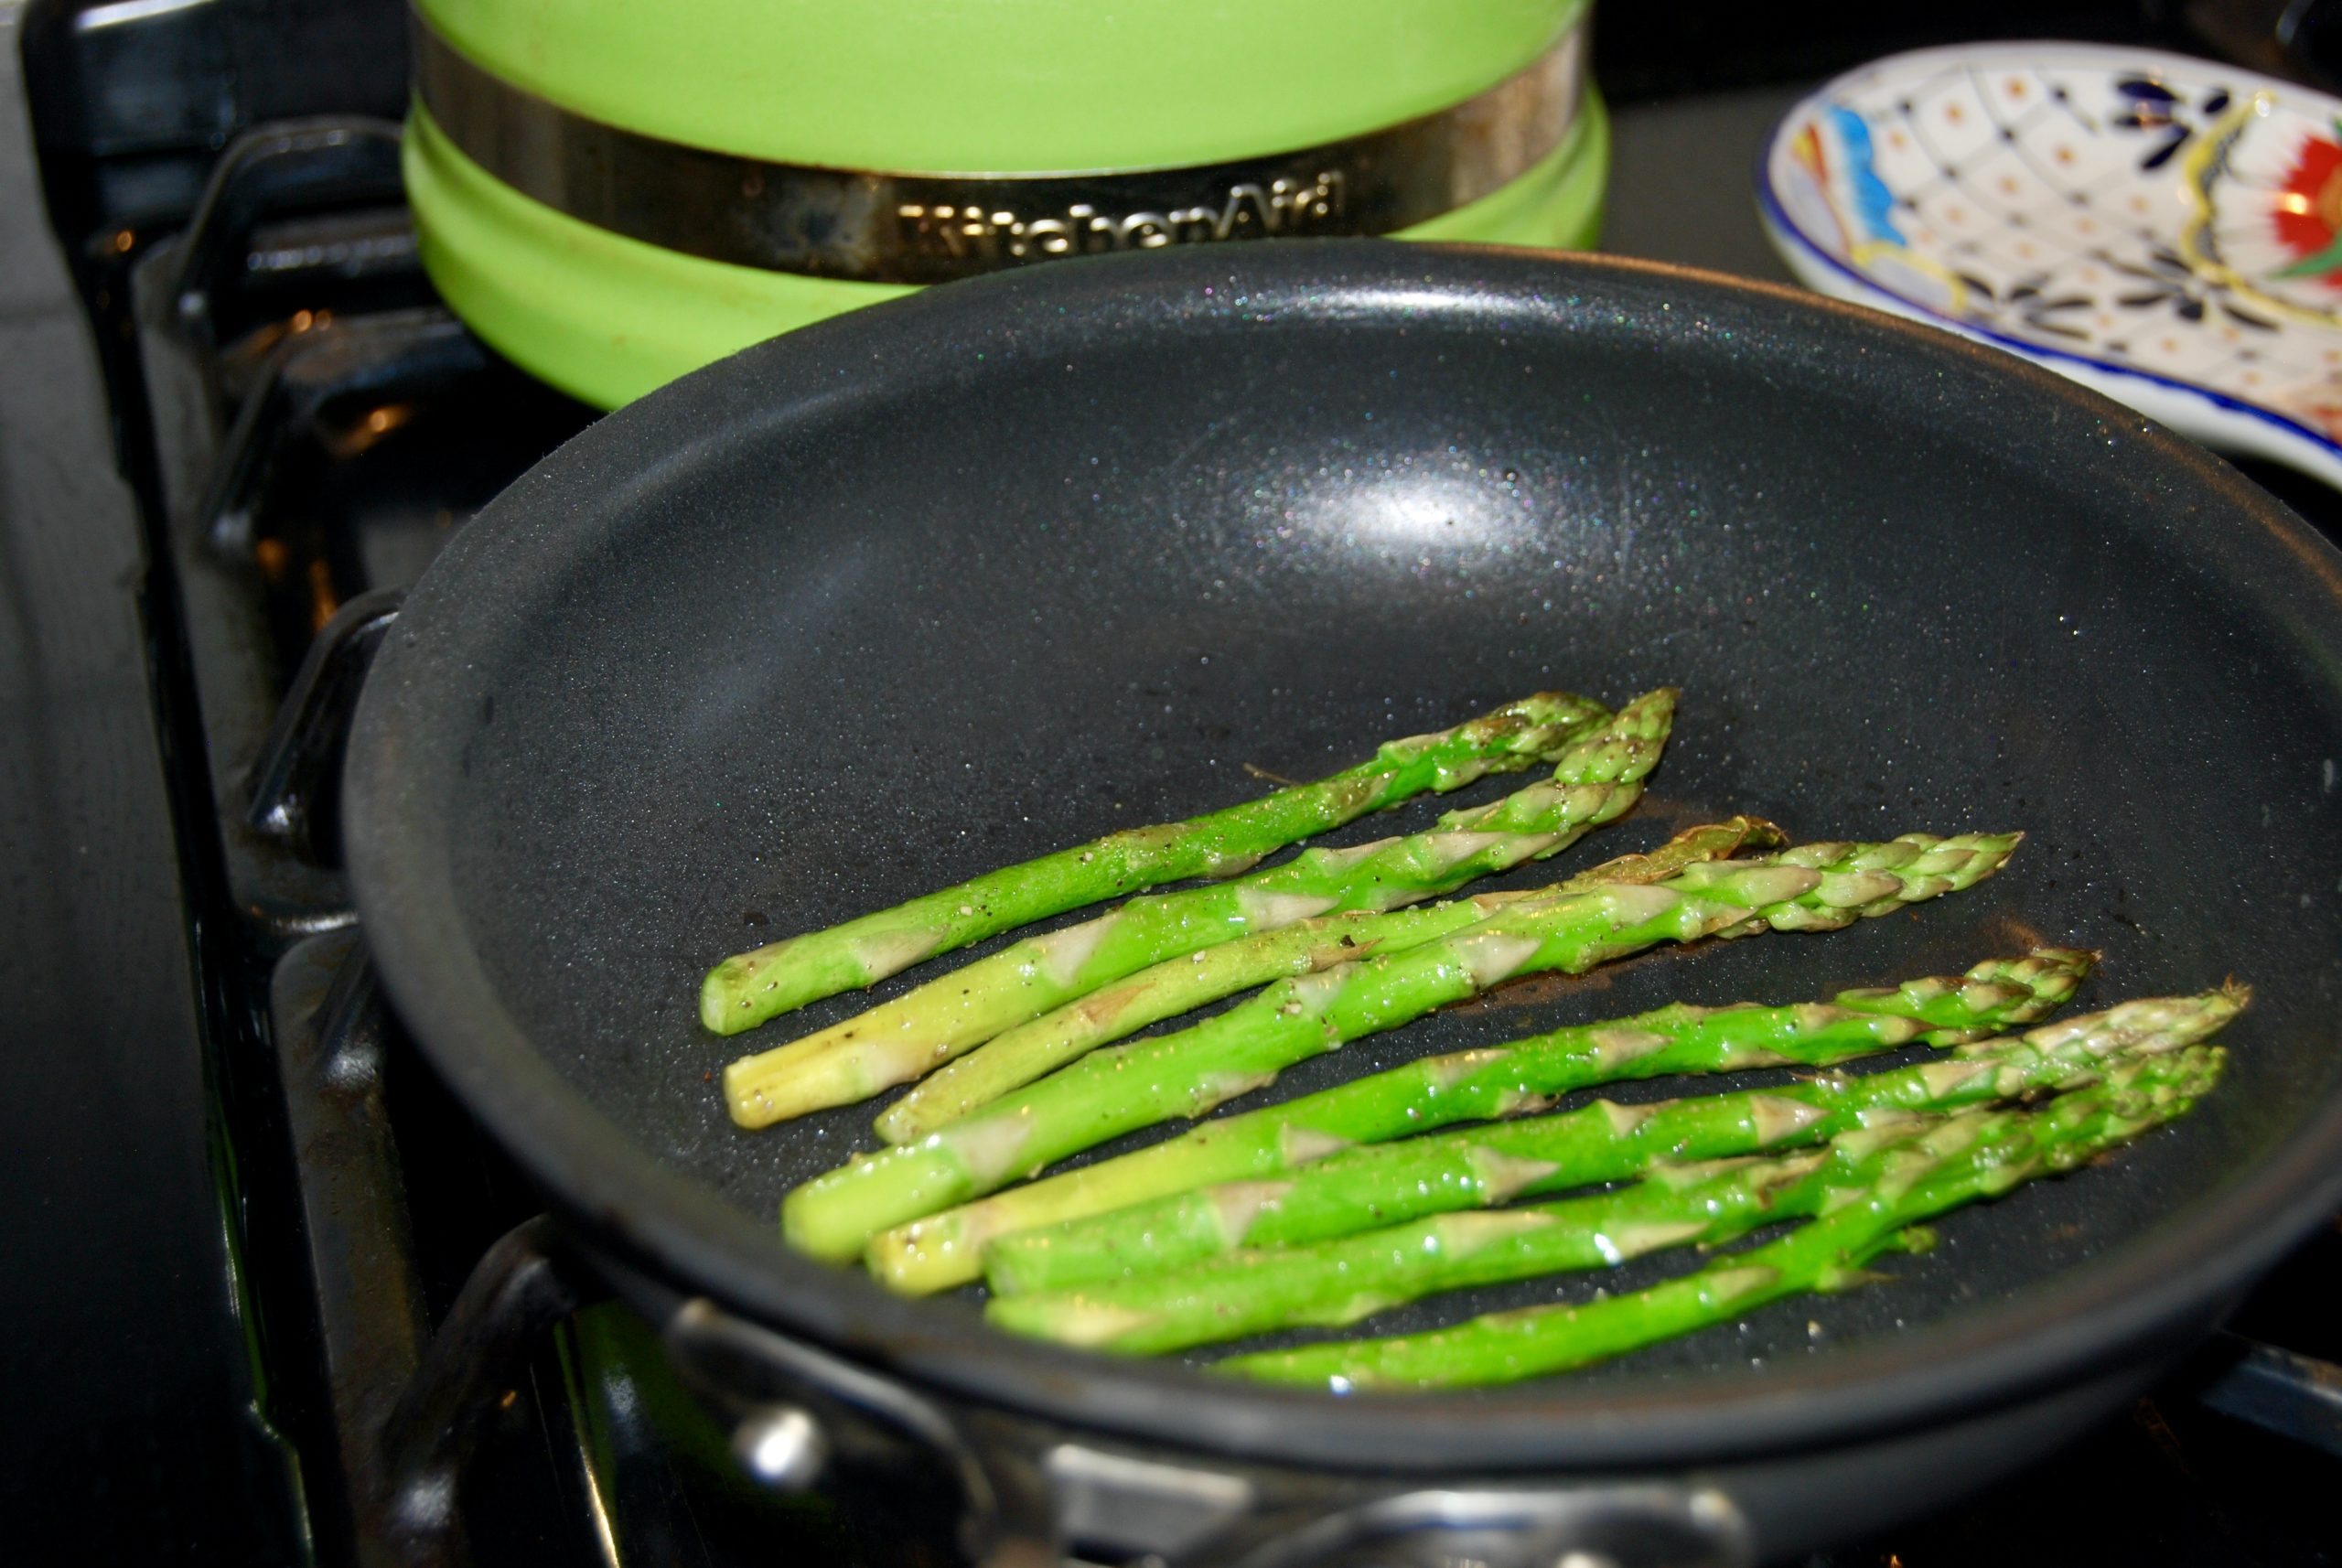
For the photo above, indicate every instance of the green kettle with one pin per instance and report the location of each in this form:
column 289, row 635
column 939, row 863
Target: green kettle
column 614, row 192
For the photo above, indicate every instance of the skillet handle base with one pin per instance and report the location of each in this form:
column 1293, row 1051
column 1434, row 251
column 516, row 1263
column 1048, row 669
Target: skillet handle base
column 1030, row 1496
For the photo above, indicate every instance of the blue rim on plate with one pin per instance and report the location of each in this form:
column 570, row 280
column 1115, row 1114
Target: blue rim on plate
column 2252, row 271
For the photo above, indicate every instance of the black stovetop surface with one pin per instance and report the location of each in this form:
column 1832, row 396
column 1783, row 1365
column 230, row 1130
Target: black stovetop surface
column 175, row 1363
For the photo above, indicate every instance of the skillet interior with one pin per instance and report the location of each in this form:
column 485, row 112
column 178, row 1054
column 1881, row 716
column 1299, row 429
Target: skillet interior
column 889, row 602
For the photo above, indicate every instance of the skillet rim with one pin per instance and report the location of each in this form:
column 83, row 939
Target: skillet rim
column 2142, row 1301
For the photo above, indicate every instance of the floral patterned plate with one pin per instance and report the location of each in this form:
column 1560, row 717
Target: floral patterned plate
column 2167, row 231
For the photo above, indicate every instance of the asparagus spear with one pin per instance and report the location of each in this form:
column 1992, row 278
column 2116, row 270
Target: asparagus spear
column 1124, row 1088
column 1596, row 779
column 1029, row 1254
column 1332, row 1284
column 744, row 990
column 1035, row 1050
column 1364, row 1190
column 1982, row 1155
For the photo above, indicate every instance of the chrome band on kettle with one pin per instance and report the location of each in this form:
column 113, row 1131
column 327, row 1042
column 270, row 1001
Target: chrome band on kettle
column 882, row 226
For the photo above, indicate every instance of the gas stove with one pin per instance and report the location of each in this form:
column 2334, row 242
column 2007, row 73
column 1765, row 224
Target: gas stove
column 294, row 1305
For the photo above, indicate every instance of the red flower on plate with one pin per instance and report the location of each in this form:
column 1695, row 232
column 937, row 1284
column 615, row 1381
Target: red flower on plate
column 2308, row 211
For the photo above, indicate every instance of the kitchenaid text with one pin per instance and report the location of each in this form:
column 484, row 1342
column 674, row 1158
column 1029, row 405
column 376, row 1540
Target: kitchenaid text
column 976, row 233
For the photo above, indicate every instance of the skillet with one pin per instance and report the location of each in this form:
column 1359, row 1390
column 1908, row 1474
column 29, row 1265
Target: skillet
column 953, row 581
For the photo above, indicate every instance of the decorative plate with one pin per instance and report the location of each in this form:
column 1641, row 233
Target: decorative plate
column 2167, row 231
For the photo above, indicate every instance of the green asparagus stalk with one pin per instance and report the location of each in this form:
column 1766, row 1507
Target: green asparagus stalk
column 1365, row 1189
column 1032, row 1050
column 1466, row 1086
column 1123, row 1088
column 744, row 990
column 1981, row 1155
column 1331, row 1283
column 1597, row 778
